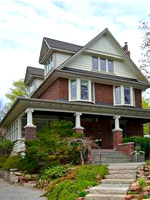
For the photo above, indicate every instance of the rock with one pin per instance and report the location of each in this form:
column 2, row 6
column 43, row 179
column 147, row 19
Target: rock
column 18, row 173
column 146, row 189
column 129, row 196
column 135, row 188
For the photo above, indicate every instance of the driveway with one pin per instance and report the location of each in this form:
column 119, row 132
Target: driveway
column 11, row 192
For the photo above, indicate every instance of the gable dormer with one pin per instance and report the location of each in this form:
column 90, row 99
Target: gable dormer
column 33, row 78
column 54, row 53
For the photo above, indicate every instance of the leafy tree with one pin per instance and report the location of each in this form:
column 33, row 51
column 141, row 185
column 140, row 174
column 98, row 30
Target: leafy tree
column 146, row 105
column 18, row 89
column 145, row 48
column 3, row 109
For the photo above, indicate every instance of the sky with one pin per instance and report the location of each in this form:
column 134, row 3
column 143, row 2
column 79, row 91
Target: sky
column 24, row 23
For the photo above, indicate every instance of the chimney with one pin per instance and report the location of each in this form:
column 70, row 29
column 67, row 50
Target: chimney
column 125, row 48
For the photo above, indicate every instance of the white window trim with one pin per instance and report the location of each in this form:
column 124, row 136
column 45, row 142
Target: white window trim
column 78, row 90
column 122, row 96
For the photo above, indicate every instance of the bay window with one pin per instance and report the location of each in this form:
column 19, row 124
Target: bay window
column 123, row 95
column 81, row 90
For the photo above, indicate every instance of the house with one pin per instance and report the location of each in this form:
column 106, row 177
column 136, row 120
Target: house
column 97, row 87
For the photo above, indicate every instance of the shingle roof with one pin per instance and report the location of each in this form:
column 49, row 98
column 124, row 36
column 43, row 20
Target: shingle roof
column 33, row 71
column 62, row 45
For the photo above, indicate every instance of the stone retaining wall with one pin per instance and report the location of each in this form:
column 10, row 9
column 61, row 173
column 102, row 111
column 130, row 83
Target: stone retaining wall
column 9, row 176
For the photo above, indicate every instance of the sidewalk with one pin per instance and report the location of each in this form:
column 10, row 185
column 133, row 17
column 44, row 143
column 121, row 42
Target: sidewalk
column 11, row 192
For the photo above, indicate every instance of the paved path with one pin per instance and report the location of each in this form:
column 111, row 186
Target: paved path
column 11, row 192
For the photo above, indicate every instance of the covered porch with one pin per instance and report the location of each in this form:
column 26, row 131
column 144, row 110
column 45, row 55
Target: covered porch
column 108, row 124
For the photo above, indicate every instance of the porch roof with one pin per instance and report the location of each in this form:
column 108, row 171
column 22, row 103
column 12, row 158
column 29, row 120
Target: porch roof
column 21, row 104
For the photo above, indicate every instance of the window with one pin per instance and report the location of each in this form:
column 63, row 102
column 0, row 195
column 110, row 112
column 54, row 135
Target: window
column 110, row 66
column 84, row 90
column 103, row 64
column 123, row 95
column 81, row 90
column 32, row 85
column 127, row 95
column 49, row 65
column 118, row 95
column 95, row 63
column 73, row 90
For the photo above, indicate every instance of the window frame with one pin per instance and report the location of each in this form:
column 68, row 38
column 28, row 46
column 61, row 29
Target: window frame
column 78, row 90
column 122, row 103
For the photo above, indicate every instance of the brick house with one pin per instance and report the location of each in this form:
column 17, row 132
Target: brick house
column 97, row 87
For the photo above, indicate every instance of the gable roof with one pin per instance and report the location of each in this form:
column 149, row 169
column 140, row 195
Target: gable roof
column 105, row 31
column 62, row 45
column 34, row 72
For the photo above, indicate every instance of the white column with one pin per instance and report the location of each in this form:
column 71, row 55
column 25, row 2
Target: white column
column 19, row 129
column 29, row 118
column 117, row 127
column 78, row 121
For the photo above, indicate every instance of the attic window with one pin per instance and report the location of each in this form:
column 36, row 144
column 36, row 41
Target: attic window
column 95, row 63
column 49, row 65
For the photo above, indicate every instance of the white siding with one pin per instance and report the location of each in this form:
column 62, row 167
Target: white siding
column 37, row 83
column 107, row 45
column 60, row 58
column 84, row 62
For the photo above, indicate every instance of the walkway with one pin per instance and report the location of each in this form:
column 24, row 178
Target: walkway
column 11, row 192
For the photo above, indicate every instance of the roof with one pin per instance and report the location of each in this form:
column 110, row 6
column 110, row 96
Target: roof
column 62, row 45
column 34, row 72
column 21, row 104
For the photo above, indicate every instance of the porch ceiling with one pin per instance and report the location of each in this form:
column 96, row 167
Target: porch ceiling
column 22, row 104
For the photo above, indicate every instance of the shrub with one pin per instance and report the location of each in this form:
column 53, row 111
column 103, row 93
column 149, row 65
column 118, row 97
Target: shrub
column 12, row 162
column 53, row 173
column 5, row 146
column 3, row 159
column 142, row 141
column 85, row 177
column 142, row 183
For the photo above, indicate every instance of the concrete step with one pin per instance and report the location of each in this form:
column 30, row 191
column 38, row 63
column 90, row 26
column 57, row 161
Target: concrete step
column 104, row 197
column 110, row 189
column 110, row 161
column 123, row 167
column 118, row 171
column 117, row 181
column 121, row 176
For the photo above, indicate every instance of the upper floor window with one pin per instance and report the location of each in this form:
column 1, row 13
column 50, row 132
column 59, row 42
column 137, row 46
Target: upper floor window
column 123, row 95
column 81, row 90
column 32, row 86
column 102, row 64
column 49, row 64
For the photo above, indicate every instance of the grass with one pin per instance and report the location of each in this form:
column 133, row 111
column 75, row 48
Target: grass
column 74, row 184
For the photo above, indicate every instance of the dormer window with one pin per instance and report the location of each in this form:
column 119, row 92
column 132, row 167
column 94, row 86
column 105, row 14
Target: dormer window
column 49, row 65
column 102, row 65
column 32, row 86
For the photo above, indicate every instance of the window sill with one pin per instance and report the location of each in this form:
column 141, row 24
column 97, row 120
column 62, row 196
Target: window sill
column 79, row 100
column 103, row 72
column 124, row 105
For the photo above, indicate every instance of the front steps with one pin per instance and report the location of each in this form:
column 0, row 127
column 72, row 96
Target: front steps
column 116, row 184
column 106, row 156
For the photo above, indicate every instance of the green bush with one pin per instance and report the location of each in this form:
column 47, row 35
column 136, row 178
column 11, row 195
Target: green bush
column 5, row 146
column 3, row 159
column 11, row 162
column 53, row 173
column 56, row 143
column 142, row 183
column 85, row 177
column 144, row 142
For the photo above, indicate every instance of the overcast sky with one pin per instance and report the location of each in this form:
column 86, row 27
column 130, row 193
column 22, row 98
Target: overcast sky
column 23, row 24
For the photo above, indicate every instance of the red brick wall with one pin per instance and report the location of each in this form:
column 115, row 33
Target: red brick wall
column 58, row 90
column 134, row 128
column 138, row 98
column 103, row 93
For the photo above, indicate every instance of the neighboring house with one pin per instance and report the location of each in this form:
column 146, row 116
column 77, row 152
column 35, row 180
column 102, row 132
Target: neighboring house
column 97, row 87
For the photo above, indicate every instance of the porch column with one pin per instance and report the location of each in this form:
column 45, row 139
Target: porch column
column 117, row 133
column 78, row 128
column 30, row 129
column 19, row 129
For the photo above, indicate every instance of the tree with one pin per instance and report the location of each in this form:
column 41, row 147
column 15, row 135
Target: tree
column 3, row 109
column 18, row 90
column 146, row 105
column 145, row 48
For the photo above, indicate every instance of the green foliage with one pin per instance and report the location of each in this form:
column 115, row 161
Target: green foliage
column 142, row 183
column 59, row 144
column 53, row 173
column 144, row 142
column 11, row 162
column 3, row 159
column 146, row 196
column 6, row 145
column 18, row 90
column 146, row 105
column 86, row 176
